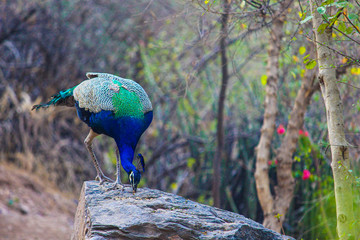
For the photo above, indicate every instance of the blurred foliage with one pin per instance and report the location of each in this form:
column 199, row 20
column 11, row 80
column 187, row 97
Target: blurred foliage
column 171, row 49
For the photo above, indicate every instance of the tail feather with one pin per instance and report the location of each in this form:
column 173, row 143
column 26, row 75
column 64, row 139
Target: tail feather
column 141, row 159
column 63, row 98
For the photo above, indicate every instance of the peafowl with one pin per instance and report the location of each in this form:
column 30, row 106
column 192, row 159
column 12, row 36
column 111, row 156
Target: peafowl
column 116, row 107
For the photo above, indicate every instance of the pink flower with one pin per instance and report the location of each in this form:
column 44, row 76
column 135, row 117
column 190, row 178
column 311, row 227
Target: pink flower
column 273, row 163
column 303, row 133
column 306, row 174
column 281, row 130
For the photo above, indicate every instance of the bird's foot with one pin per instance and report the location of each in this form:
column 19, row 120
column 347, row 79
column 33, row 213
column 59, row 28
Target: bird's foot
column 116, row 185
column 102, row 179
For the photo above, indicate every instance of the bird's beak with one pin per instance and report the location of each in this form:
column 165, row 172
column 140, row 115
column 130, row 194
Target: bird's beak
column 134, row 187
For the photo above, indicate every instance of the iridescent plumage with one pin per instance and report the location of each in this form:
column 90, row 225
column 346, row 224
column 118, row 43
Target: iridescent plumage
column 114, row 106
column 109, row 92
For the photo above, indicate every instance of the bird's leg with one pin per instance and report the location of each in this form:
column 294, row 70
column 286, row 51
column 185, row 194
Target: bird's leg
column 88, row 143
column 117, row 183
column 118, row 169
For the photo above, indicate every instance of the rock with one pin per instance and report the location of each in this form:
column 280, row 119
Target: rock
column 153, row 214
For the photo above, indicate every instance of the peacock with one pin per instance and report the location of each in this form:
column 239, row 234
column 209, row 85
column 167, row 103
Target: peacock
column 113, row 106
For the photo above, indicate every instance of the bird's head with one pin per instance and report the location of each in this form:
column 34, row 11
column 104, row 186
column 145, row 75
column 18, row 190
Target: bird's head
column 134, row 178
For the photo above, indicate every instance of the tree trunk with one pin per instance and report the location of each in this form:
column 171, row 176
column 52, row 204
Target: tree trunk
column 221, row 103
column 285, row 182
column 284, row 191
column 334, row 113
column 268, row 127
column 278, row 205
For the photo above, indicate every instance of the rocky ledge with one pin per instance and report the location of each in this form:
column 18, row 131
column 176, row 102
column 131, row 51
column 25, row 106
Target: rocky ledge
column 153, row 214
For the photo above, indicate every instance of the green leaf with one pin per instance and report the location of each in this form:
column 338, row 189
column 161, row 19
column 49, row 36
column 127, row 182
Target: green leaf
column 321, row 10
column 342, row 26
column 306, row 59
column 293, row 74
column 191, row 162
column 302, row 50
column 322, row 27
column 303, row 15
column 311, row 64
column 349, row 30
column 306, row 19
column 263, row 80
column 326, row 17
column 341, row 4
column 327, row 2
column 352, row 16
column 332, row 20
column 173, row 186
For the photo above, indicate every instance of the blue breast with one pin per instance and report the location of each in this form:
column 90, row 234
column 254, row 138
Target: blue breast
column 125, row 130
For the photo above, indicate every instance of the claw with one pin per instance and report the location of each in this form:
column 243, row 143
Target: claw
column 116, row 185
column 102, row 179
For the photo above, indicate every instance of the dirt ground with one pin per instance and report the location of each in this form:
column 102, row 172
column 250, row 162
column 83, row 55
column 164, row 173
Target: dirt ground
column 33, row 209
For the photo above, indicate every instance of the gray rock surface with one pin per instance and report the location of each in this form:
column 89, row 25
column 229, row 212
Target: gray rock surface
column 153, row 214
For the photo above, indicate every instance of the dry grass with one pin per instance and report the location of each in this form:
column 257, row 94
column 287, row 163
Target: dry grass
column 46, row 142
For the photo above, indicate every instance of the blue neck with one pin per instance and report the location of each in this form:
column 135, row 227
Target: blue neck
column 126, row 156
